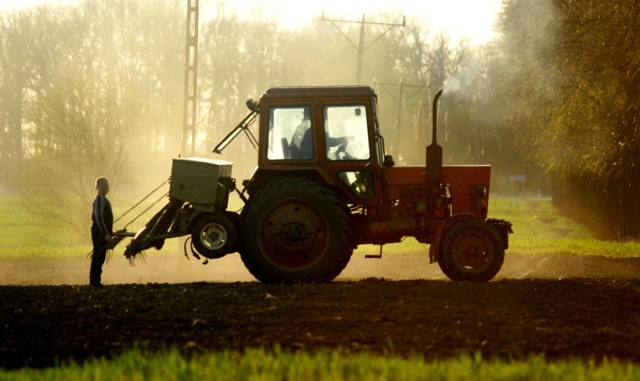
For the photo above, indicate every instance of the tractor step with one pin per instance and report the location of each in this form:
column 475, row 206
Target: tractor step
column 379, row 255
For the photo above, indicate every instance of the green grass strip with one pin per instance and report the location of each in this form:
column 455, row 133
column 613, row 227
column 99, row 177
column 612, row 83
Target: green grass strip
column 259, row 364
column 590, row 246
column 538, row 229
column 43, row 252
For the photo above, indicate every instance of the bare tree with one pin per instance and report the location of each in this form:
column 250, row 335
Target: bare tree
column 14, row 29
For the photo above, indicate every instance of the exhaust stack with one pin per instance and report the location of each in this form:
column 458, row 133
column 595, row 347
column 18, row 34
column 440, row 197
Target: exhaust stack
column 434, row 151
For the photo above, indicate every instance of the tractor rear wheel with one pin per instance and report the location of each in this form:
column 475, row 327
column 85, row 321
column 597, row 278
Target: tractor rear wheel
column 472, row 250
column 214, row 235
column 295, row 230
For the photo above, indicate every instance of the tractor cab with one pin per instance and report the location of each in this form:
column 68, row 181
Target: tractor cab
column 327, row 134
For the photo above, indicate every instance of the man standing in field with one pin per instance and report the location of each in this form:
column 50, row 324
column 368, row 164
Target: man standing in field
column 101, row 230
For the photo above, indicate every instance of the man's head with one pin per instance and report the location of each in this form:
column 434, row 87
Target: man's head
column 102, row 186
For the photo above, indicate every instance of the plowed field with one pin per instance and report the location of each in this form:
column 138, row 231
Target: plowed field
column 578, row 307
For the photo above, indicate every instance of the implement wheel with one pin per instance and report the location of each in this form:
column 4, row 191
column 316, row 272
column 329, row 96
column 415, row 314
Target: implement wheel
column 472, row 250
column 214, row 235
column 295, row 231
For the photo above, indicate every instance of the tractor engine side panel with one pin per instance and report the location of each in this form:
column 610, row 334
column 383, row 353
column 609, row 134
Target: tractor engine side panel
column 469, row 188
column 469, row 185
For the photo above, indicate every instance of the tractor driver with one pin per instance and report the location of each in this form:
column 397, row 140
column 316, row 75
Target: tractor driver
column 302, row 141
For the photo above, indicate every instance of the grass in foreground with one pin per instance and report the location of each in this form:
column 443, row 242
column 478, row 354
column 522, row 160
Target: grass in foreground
column 259, row 364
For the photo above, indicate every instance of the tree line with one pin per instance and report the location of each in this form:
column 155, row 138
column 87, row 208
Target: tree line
column 569, row 72
column 95, row 89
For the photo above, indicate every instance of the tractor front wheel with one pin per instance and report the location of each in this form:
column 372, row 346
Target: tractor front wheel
column 472, row 250
column 295, row 230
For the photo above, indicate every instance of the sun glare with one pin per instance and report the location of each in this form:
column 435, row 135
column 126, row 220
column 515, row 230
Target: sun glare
column 470, row 19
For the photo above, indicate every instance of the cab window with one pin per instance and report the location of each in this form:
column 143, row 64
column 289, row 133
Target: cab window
column 346, row 135
column 290, row 135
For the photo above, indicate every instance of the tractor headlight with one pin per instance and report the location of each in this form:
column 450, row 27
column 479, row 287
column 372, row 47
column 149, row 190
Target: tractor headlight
column 481, row 191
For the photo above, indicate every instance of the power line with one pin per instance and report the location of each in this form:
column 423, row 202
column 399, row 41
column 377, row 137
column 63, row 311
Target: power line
column 360, row 46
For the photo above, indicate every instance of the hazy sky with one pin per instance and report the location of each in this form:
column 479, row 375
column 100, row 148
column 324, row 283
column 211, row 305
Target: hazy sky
column 472, row 19
column 460, row 18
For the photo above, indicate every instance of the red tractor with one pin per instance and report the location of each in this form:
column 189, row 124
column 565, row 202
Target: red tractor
column 323, row 186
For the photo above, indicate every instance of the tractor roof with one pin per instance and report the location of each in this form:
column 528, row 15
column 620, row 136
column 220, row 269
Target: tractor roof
column 319, row 91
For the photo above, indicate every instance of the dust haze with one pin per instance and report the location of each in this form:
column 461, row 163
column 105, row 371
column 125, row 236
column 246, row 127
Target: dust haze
column 168, row 267
column 110, row 103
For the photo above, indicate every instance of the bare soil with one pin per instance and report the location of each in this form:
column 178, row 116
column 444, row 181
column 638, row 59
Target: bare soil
column 561, row 307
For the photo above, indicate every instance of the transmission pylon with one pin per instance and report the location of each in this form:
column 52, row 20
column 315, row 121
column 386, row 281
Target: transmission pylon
column 190, row 78
column 360, row 47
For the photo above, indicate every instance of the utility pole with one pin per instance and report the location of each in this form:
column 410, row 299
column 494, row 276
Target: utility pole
column 190, row 78
column 360, row 47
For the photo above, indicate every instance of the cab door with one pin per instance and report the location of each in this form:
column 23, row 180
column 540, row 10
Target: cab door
column 349, row 152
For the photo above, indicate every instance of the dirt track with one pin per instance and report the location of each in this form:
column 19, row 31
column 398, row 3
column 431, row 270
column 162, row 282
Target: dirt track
column 561, row 307
column 175, row 268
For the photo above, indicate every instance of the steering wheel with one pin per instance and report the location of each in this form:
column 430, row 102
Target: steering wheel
column 341, row 152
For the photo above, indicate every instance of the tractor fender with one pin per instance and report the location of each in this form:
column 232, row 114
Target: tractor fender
column 434, row 247
column 503, row 227
column 263, row 176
